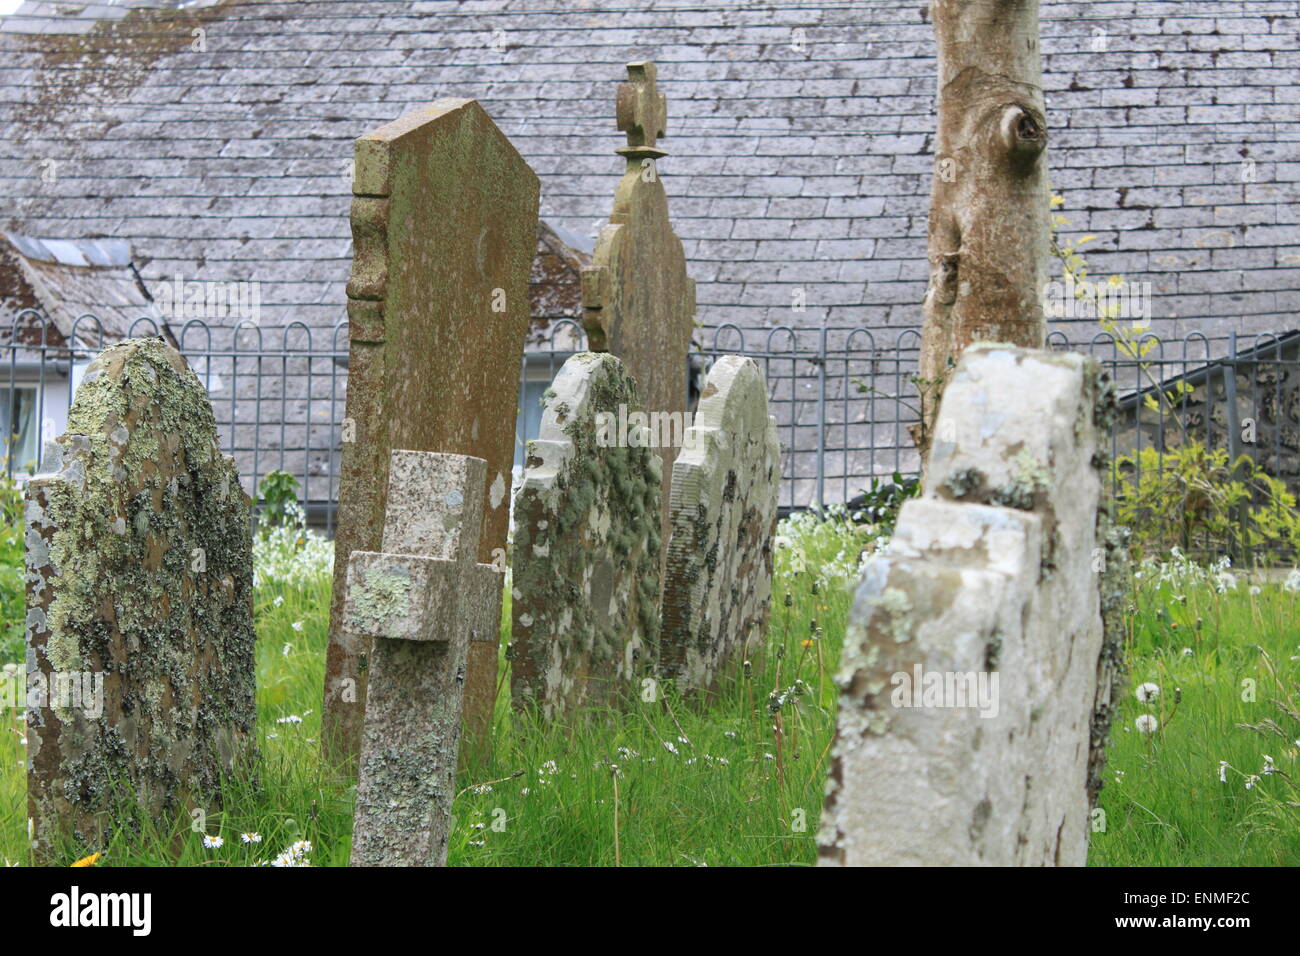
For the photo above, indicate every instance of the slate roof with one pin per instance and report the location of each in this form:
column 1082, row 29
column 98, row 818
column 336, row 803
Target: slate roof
column 799, row 137
column 88, row 291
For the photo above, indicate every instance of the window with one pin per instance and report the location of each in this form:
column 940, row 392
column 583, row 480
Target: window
column 19, row 427
column 530, row 417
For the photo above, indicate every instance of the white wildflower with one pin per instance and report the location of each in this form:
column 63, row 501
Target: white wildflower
column 1147, row 724
column 1147, row 692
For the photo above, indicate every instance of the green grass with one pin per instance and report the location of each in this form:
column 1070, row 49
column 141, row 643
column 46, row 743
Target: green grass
column 1227, row 668
column 549, row 795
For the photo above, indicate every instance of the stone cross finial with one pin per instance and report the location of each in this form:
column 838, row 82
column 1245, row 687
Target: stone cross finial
column 642, row 112
column 422, row 600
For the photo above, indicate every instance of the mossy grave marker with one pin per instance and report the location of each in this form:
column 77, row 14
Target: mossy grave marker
column 444, row 225
column 422, row 601
column 726, row 481
column 585, row 588
column 140, row 574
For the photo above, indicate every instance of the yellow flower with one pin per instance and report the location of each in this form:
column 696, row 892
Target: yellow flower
column 88, row 860
column 808, row 643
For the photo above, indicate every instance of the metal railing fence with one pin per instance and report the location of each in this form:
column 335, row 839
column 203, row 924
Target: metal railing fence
column 843, row 397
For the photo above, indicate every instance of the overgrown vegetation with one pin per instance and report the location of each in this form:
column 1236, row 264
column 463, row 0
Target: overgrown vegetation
column 1202, row 767
column 1194, row 498
column 12, row 587
column 738, row 780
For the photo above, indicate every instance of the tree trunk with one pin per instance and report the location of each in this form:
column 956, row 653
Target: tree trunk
column 989, row 209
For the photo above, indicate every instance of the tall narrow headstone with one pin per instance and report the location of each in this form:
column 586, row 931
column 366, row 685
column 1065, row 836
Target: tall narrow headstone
column 444, row 223
column 638, row 302
column 726, row 481
column 423, row 601
column 977, row 667
column 139, row 605
column 585, row 565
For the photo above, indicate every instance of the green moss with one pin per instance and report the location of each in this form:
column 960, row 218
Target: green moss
column 963, row 483
column 1031, row 479
column 382, row 597
column 618, row 488
column 143, row 487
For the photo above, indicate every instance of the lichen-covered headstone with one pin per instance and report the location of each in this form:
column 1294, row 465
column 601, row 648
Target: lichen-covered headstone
column 726, row 480
column 978, row 664
column 444, row 224
column 423, row 602
column 139, row 605
column 585, row 564
column 638, row 302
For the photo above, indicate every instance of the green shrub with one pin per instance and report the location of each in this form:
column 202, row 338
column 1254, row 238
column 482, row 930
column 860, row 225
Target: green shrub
column 278, row 493
column 1192, row 497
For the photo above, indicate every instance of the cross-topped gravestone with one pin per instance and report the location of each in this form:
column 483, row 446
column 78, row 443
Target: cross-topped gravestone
column 444, row 222
column 140, row 637
column 638, row 302
column 718, row 580
column 641, row 110
column 585, row 589
column 423, row 601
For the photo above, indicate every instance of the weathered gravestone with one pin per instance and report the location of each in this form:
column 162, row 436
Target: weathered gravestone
column 718, row 580
column 139, row 604
column 585, row 565
column 444, row 222
column 977, row 670
column 638, row 302
column 423, row 601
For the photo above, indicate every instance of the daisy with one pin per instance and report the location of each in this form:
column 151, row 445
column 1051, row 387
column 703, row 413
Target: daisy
column 213, row 842
column 251, row 837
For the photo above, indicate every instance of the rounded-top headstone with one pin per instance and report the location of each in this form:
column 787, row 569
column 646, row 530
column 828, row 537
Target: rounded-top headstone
column 139, row 600
column 585, row 590
column 726, row 480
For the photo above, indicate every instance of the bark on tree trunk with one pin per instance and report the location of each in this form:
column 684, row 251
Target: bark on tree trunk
column 989, row 208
